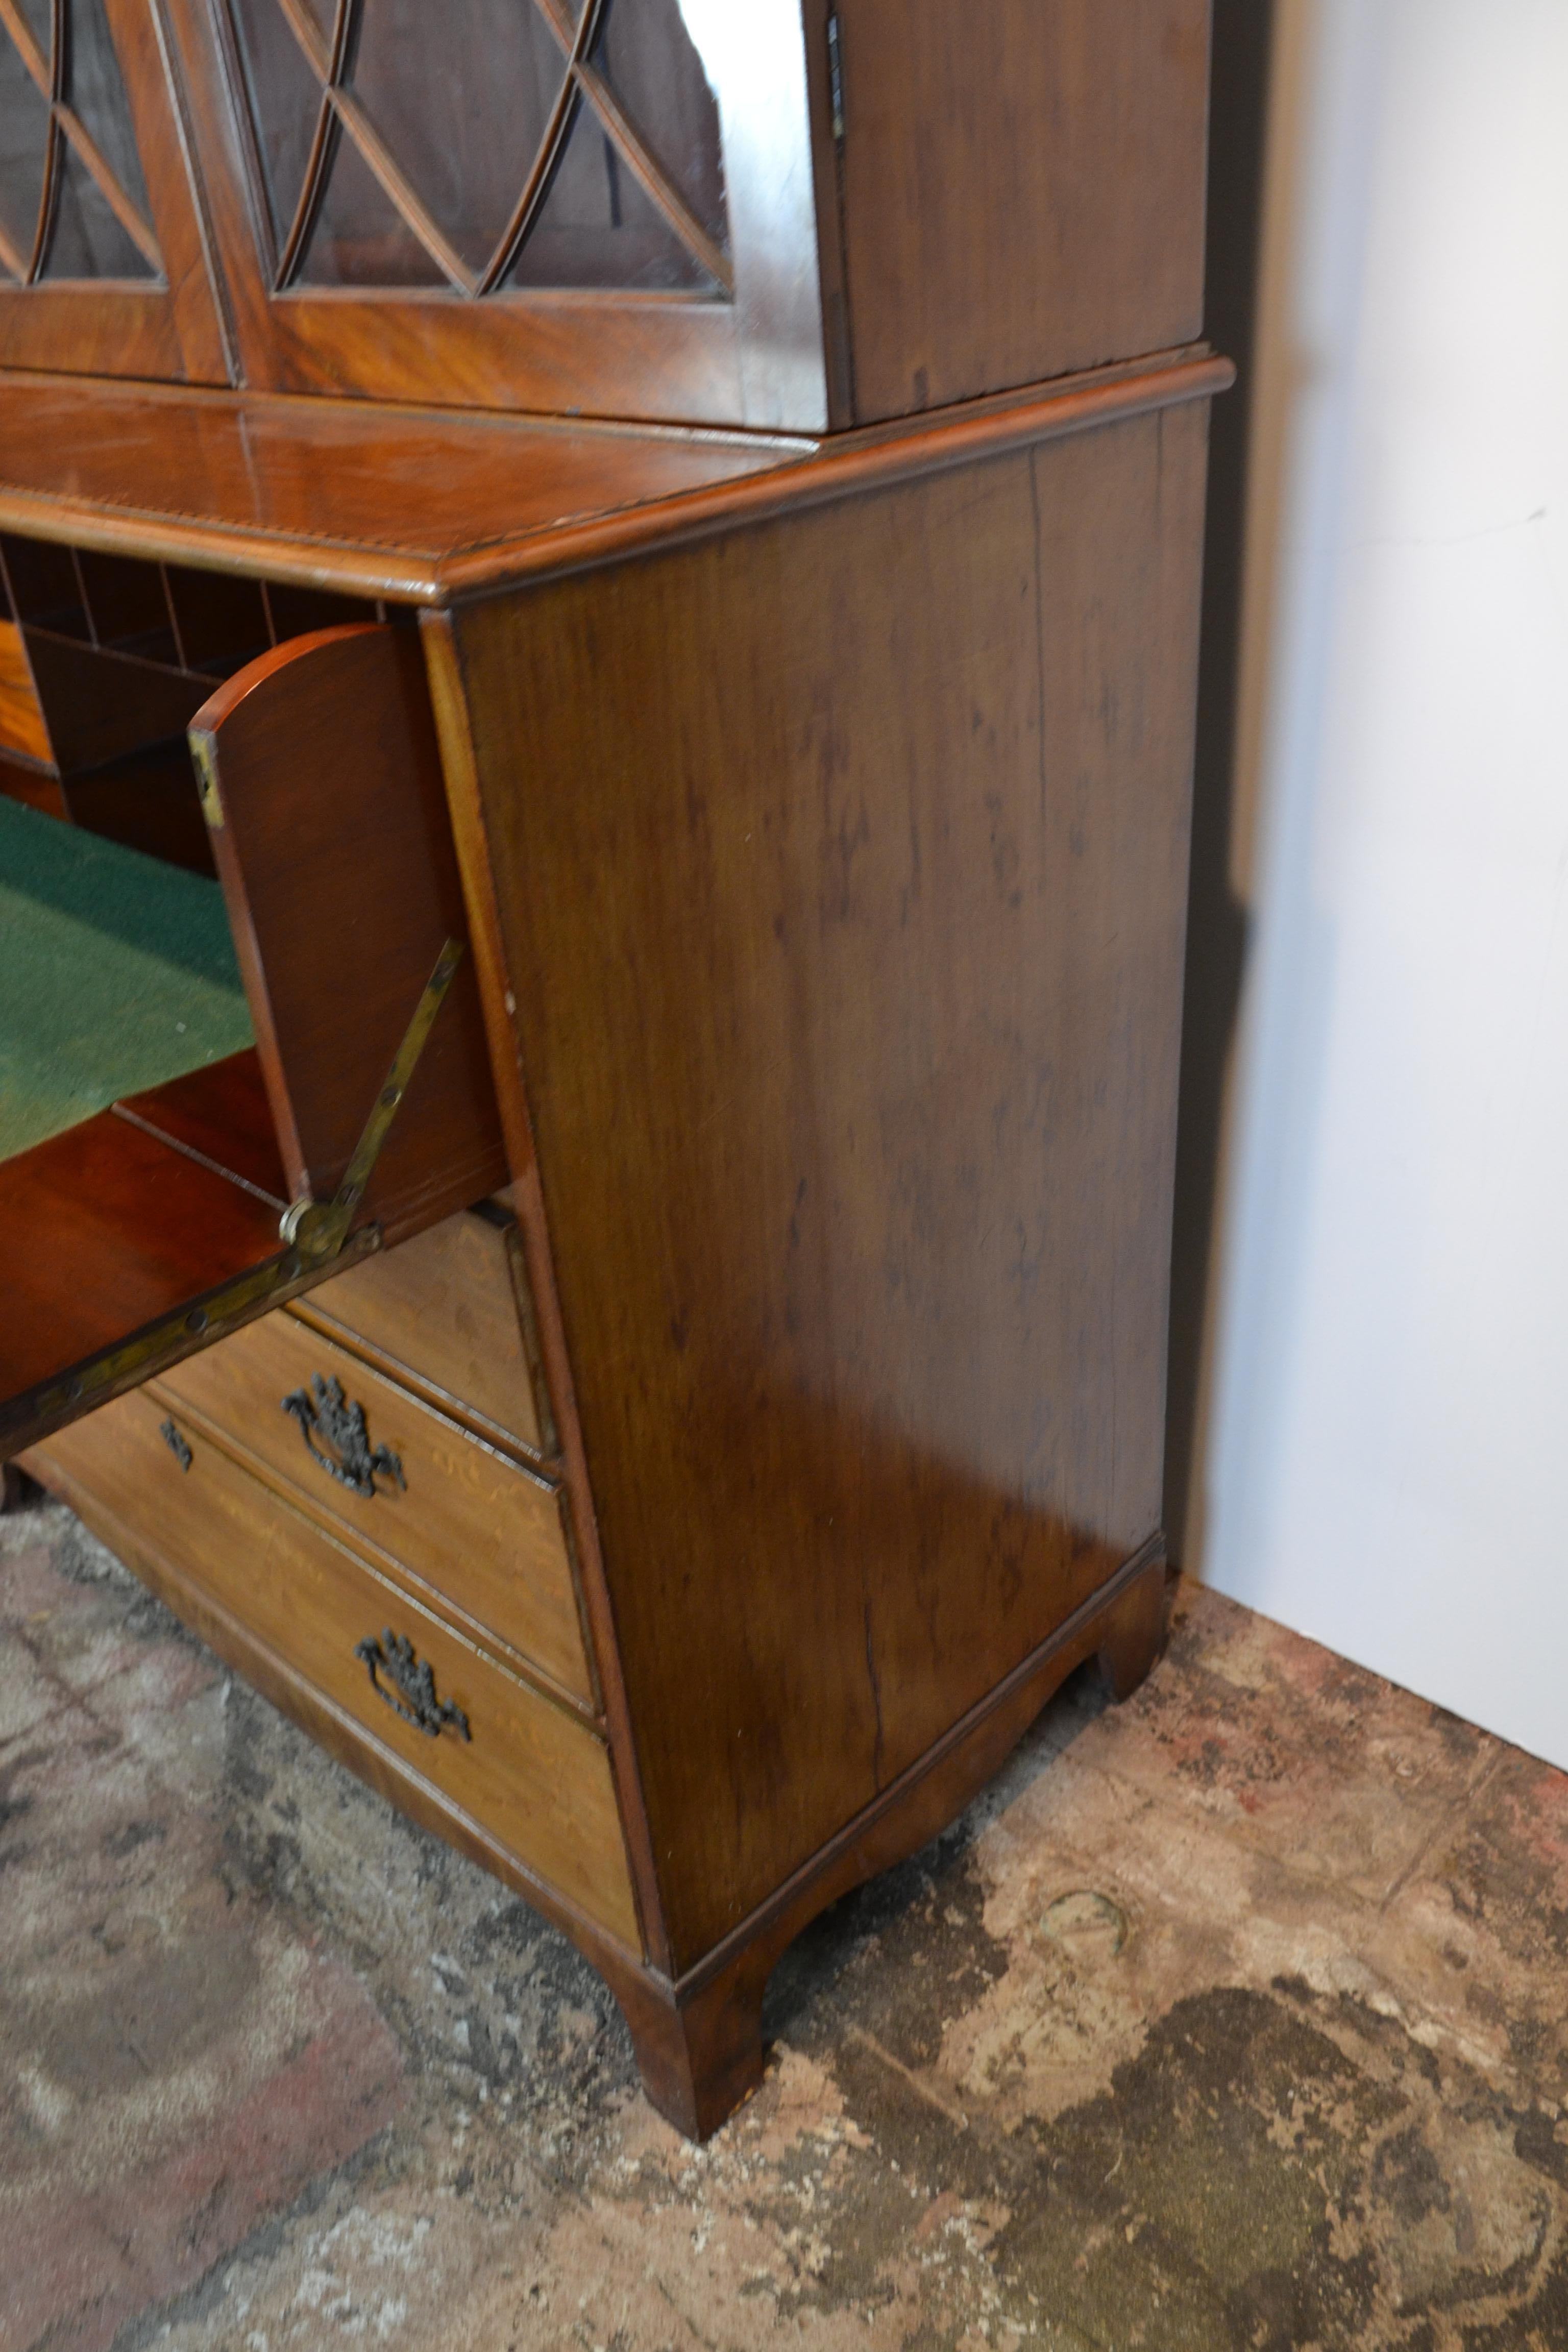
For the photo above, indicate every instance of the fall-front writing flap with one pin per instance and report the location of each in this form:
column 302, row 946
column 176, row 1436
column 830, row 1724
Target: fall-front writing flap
column 145, row 1228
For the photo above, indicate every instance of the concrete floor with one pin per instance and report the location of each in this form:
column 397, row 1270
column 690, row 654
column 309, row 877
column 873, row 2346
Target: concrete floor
column 1234, row 2017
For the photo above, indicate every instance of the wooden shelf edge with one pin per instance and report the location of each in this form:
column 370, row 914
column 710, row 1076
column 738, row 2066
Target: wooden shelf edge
column 631, row 509
column 873, row 460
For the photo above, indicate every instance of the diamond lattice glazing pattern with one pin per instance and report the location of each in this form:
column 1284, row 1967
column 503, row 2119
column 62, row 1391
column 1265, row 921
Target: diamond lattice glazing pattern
column 485, row 145
column 73, row 201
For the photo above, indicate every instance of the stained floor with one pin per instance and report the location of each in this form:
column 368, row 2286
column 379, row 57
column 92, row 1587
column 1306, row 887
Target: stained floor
column 1237, row 2017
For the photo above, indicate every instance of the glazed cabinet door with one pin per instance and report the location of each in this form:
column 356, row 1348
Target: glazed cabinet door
column 589, row 206
column 103, row 266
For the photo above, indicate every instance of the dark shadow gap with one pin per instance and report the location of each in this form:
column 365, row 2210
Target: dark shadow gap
column 1216, row 919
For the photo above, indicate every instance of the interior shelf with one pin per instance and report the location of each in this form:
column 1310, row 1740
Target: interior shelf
column 111, row 1226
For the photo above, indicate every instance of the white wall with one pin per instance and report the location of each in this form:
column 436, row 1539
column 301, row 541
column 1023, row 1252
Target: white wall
column 1386, row 1465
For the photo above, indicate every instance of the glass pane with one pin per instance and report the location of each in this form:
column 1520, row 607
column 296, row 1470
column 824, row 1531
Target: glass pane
column 87, row 241
column 360, row 238
column 645, row 54
column 96, row 91
column 597, row 227
column 23, row 135
column 285, row 97
column 461, row 95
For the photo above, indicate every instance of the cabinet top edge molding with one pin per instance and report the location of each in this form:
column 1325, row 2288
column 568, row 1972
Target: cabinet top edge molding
column 424, row 507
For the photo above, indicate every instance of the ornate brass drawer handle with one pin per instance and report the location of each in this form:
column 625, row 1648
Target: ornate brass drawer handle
column 175, row 1444
column 412, row 1693
column 324, row 1413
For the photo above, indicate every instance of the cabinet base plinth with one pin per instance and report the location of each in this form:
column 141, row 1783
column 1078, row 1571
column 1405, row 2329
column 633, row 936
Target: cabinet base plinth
column 699, row 2041
column 697, row 2037
column 700, row 2058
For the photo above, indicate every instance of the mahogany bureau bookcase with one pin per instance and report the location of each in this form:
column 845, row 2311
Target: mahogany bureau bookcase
column 598, row 669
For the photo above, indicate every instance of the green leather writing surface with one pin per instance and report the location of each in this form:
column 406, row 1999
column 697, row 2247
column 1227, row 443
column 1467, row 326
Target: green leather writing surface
column 117, row 973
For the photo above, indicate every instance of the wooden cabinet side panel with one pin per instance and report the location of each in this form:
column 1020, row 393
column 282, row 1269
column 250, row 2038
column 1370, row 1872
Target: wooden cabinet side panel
column 1022, row 190
column 453, row 720
column 840, row 869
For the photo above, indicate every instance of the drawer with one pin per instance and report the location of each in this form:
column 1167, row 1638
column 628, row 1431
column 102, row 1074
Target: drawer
column 448, row 1314
column 529, row 1774
column 486, row 1536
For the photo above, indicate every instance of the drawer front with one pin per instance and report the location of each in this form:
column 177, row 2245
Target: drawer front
column 445, row 1313
column 481, row 1532
column 528, row 1772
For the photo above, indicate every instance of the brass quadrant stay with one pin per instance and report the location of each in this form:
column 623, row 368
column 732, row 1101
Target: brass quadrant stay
column 314, row 1229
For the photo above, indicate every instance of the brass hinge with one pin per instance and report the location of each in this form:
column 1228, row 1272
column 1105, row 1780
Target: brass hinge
column 836, row 78
column 206, row 779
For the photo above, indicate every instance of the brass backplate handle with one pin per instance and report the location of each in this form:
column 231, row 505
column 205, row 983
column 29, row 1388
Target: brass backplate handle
column 176, row 1445
column 409, row 1688
column 336, row 1436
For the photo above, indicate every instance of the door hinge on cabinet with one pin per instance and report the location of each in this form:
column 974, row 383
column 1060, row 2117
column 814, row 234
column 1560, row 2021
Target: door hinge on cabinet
column 835, row 78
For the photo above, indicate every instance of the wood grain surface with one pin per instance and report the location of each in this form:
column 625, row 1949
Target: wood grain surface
column 219, row 1115
column 108, row 1227
column 453, row 720
column 102, row 704
column 416, row 505
column 1022, row 190
column 445, row 1314
column 36, row 787
column 22, row 727
column 319, row 492
column 750, row 356
column 841, row 872
column 147, row 801
column 343, row 1735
